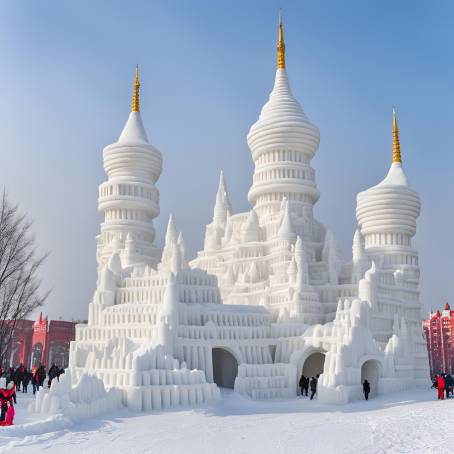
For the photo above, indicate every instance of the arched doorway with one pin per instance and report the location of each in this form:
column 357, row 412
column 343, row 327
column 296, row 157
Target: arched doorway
column 37, row 353
column 370, row 371
column 225, row 368
column 314, row 364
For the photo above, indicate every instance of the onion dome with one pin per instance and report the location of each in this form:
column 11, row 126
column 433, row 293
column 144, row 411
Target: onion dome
column 391, row 206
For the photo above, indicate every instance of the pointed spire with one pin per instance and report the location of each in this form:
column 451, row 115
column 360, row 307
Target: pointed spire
column 222, row 208
column 397, row 158
column 250, row 229
column 171, row 233
column 135, row 96
column 286, row 230
column 280, row 45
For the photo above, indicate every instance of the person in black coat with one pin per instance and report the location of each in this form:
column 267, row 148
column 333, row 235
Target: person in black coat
column 313, row 386
column 449, row 383
column 366, row 389
column 53, row 372
column 304, row 385
column 26, row 380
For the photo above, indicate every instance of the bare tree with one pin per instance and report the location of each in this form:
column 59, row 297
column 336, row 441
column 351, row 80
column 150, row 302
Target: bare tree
column 19, row 264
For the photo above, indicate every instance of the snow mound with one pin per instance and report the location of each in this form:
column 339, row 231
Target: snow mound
column 87, row 399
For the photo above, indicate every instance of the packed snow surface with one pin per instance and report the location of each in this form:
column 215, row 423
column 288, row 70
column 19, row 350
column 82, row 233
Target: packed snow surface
column 409, row 422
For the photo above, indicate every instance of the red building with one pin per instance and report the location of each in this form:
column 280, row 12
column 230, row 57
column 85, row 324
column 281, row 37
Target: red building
column 439, row 333
column 40, row 342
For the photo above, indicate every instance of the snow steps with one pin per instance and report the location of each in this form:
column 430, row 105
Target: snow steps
column 266, row 381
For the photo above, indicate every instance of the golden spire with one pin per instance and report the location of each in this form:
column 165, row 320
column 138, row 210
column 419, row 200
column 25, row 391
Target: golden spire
column 396, row 144
column 280, row 46
column 135, row 96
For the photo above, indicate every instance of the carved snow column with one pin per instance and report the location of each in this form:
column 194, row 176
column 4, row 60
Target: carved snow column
column 168, row 317
column 109, row 278
column 360, row 260
column 302, row 262
column 367, row 287
column 330, row 255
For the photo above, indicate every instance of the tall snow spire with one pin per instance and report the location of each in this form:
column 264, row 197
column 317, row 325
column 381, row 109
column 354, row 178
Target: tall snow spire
column 396, row 144
column 135, row 96
column 280, row 45
column 222, row 208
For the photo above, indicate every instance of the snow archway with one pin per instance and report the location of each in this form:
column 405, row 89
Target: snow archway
column 370, row 371
column 313, row 365
column 225, row 368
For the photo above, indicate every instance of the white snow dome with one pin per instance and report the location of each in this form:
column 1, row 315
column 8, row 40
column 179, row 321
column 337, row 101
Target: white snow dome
column 282, row 123
column 391, row 206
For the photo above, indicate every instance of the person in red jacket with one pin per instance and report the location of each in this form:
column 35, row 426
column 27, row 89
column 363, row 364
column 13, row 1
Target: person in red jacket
column 9, row 415
column 441, row 387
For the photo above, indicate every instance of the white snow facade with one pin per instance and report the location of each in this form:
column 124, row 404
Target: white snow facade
column 269, row 297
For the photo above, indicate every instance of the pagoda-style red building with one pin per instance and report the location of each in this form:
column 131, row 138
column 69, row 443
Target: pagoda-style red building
column 40, row 342
column 439, row 333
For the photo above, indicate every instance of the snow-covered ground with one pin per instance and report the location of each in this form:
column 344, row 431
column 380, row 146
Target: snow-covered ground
column 411, row 422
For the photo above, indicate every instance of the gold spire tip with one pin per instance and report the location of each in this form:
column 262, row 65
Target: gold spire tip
column 135, row 96
column 396, row 144
column 280, row 45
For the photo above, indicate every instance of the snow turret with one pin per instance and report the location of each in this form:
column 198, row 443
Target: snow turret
column 282, row 143
column 129, row 198
column 387, row 212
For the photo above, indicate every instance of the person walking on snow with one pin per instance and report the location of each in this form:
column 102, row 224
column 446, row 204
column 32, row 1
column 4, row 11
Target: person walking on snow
column 441, row 387
column 366, row 389
column 313, row 385
column 449, row 383
column 304, row 385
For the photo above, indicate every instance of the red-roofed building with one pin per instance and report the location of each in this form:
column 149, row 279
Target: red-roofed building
column 439, row 333
column 40, row 342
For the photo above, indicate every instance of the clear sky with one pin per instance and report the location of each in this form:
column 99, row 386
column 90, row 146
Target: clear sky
column 207, row 68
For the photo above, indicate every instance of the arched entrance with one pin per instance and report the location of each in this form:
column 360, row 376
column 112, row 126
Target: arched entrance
column 37, row 354
column 370, row 371
column 225, row 368
column 314, row 364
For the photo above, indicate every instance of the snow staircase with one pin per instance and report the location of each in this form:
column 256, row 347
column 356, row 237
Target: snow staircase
column 266, row 381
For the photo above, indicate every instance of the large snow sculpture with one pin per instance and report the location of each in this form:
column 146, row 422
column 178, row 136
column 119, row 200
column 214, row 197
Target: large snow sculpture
column 162, row 330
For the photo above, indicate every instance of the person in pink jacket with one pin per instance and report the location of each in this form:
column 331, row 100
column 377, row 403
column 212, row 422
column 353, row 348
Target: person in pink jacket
column 9, row 415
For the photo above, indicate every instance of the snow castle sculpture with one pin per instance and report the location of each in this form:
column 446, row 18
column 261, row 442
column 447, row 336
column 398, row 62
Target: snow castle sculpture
column 269, row 297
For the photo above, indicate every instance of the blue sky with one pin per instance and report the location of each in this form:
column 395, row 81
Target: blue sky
column 206, row 69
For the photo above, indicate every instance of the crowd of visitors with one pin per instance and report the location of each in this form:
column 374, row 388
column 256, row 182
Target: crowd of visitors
column 444, row 383
column 14, row 380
